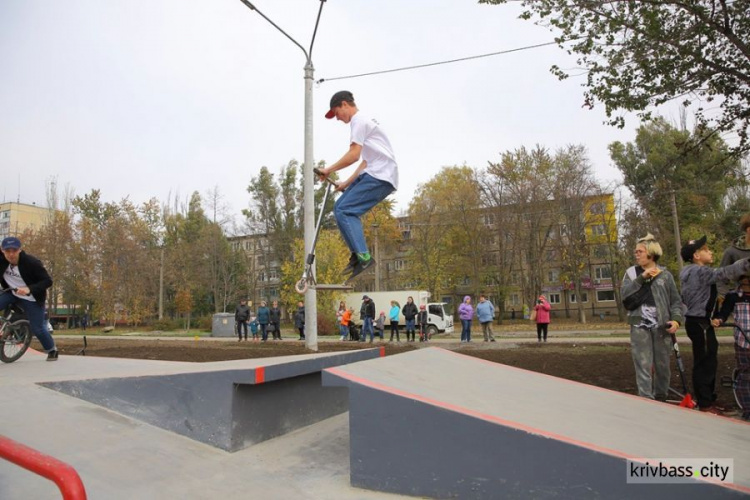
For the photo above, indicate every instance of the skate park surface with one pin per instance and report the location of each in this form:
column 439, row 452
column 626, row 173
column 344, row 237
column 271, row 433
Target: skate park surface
column 121, row 457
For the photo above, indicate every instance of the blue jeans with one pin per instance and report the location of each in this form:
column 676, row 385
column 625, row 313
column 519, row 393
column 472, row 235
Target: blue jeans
column 364, row 193
column 466, row 330
column 410, row 325
column 367, row 327
column 264, row 331
column 344, row 331
column 35, row 314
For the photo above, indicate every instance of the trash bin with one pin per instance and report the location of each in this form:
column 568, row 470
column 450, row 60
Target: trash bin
column 222, row 325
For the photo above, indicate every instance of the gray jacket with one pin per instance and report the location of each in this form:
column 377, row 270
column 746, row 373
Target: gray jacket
column 699, row 285
column 736, row 251
column 664, row 289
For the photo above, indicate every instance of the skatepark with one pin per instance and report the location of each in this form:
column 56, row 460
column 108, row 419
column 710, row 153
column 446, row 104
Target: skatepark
column 430, row 423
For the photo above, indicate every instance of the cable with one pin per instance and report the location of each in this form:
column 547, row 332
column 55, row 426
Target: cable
column 438, row 63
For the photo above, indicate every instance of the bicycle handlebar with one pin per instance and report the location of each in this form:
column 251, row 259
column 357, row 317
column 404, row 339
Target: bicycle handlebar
column 735, row 325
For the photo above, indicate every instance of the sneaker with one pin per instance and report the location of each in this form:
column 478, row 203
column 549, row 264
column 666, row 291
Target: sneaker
column 713, row 410
column 361, row 267
column 52, row 355
column 353, row 261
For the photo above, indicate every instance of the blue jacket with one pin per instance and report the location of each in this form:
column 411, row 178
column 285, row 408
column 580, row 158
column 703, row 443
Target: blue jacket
column 264, row 315
column 485, row 311
column 394, row 313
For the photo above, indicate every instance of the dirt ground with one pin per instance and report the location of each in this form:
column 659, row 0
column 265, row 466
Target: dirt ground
column 605, row 365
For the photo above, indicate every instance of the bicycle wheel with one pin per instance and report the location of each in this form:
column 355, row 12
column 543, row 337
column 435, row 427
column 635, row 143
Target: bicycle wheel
column 15, row 340
column 736, row 388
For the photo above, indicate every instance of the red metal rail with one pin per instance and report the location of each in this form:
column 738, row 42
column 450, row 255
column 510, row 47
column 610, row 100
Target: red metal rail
column 64, row 476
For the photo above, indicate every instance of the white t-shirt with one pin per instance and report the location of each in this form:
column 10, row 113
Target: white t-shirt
column 376, row 148
column 14, row 280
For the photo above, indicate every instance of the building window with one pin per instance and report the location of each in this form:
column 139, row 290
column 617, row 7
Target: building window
column 554, row 298
column 406, row 234
column 605, row 295
column 584, row 297
column 262, row 276
column 598, row 208
column 273, row 274
column 550, row 255
column 553, row 276
column 399, row 265
column 599, row 229
column 601, row 251
column 602, row 273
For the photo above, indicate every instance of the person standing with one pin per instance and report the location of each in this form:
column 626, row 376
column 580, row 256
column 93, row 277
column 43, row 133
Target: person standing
column 380, row 325
column 699, row 293
column 410, row 315
column 340, row 311
column 485, row 315
column 393, row 317
column 367, row 315
column 346, row 317
column 374, row 179
column 241, row 317
column 465, row 314
column 263, row 318
column 739, row 249
column 275, row 320
column 299, row 320
column 542, row 309
column 423, row 328
column 649, row 293
column 29, row 281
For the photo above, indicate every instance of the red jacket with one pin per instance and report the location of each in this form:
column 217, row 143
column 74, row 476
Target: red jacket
column 542, row 312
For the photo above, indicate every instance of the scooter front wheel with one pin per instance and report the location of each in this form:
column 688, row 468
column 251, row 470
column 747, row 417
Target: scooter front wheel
column 301, row 286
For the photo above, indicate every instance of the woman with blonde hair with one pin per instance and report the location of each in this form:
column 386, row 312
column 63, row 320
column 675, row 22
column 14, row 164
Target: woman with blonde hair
column 650, row 295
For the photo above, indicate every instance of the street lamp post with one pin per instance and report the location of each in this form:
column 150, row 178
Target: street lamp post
column 311, row 307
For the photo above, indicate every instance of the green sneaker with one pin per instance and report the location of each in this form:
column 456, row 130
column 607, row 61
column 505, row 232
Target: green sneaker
column 361, row 267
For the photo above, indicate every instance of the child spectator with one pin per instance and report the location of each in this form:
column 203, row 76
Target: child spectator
column 346, row 317
column 699, row 294
column 380, row 325
column 254, row 328
column 422, row 320
column 299, row 320
column 737, row 303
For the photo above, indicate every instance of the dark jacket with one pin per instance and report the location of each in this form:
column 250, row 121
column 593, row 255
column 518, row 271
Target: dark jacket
column 299, row 317
column 367, row 310
column 33, row 273
column 409, row 311
column 242, row 313
column 275, row 315
column 736, row 251
column 699, row 285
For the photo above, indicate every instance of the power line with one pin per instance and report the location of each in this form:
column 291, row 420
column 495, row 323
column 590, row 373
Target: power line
column 450, row 61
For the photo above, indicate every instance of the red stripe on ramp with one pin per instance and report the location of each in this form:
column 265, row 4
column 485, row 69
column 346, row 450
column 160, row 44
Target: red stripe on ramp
column 260, row 374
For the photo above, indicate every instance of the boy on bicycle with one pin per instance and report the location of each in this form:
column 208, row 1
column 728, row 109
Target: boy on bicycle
column 28, row 282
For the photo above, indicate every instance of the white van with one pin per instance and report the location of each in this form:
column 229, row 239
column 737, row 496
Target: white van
column 437, row 319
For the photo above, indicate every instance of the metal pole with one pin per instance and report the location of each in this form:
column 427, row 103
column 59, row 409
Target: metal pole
column 673, row 202
column 377, row 258
column 311, row 296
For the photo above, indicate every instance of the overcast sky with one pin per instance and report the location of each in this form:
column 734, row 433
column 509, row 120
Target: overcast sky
column 147, row 98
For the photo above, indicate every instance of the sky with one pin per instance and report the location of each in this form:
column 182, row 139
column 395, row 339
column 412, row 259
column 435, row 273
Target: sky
column 160, row 98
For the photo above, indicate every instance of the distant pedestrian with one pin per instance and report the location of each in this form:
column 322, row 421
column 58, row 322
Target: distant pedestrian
column 241, row 317
column 299, row 320
column 254, row 328
column 465, row 314
column 422, row 320
column 410, row 315
column 542, row 309
column 367, row 314
column 346, row 318
column 380, row 325
column 85, row 321
column 393, row 317
column 340, row 311
column 264, row 318
column 485, row 315
column 275, row 320
column 512, row 313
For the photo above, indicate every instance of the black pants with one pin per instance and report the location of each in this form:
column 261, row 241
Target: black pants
column 705, row 359
column 241, row 325
column 394, row 329
column 541, row 328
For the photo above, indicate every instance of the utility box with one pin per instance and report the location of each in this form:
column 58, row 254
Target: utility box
column 222, row 325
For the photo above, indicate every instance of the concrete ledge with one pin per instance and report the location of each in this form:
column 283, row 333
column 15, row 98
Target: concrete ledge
column 225, row 404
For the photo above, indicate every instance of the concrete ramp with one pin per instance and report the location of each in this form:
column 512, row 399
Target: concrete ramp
column 439, row 424
column 230, row 404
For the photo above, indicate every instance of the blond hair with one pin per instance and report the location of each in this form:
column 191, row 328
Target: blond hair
column 653, row 248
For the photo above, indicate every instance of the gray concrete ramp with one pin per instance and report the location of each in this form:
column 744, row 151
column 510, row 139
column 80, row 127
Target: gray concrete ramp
column 436, row 423
column 119, row 457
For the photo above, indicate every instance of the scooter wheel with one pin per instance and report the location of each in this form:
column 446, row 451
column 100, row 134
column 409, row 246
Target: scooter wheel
column 301, row 286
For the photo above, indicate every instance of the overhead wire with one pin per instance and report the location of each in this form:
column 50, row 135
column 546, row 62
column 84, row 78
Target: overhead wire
column 449, row 61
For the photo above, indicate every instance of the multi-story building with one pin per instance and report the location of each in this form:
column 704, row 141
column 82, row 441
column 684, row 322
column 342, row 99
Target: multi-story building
column 15, row 218
column 264, row 271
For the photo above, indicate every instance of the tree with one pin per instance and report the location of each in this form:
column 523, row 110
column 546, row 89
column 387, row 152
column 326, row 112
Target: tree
column 640, row 54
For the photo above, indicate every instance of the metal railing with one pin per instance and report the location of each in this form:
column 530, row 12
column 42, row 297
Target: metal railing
column 63, row 475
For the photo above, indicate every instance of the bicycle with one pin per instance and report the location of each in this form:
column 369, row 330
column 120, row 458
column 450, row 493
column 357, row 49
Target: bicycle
column 15, row 333
column 733, row 381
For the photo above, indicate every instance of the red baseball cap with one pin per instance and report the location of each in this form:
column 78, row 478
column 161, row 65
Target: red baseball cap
column 337, row 99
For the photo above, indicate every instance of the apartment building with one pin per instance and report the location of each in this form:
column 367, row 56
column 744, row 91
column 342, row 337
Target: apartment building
column 15, row 218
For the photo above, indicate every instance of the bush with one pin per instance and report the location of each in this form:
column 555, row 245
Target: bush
column 327, row 325
column 167, row 324
column 204, row 323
